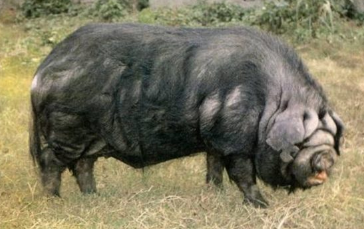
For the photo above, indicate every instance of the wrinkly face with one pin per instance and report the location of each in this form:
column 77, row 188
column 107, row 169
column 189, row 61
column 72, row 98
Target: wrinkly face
column 309, row 164
column 301, row 149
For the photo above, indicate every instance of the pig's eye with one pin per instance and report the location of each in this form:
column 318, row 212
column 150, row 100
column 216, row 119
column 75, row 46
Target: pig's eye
column 321, row 161
column 300, row 145
column 321, row 114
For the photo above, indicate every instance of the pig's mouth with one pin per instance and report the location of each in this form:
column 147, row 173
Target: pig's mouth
column 312, row 166
column 310, row 163
column 321, row 164
column 316, row 179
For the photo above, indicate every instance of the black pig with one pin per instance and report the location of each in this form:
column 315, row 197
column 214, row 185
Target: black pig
column 147, row 94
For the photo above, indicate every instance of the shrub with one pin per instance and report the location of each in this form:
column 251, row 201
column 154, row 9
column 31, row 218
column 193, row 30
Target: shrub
column 37, row 8
column 201, row 14
column 284, row 16
column 301, row 18
column 142, row 4
column 109, row 10
column 207, row 14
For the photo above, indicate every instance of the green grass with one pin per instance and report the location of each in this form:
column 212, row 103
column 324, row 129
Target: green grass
column 172, row 194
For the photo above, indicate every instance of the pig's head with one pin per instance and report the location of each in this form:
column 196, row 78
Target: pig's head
column 300, row 148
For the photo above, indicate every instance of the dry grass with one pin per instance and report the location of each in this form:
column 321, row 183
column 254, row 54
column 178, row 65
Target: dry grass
column 173, row 194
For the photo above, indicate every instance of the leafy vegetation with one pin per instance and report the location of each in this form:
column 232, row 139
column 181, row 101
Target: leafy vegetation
column 304, row 18
column 108, row 10
column 299, row 19
column 220, row 12
column 38, row 8
column 201, row 14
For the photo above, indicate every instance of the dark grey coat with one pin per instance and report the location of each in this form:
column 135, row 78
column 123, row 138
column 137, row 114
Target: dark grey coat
column 146, row 94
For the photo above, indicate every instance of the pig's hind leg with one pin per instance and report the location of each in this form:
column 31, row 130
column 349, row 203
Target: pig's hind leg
column 75, row 146
column 50, row 171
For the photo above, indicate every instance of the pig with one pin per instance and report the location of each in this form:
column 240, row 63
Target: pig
column 147, row 94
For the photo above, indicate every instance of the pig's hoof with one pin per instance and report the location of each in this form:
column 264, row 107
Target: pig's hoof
column 257, row 203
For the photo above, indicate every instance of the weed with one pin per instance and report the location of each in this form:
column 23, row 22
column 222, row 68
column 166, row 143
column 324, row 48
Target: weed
column 109, row 10
column 221, row 12
column 37, row 8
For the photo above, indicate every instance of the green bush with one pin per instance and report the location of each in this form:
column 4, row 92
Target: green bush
column 201, row 14
column 109, row 10
column 347, row 9
column 298, row 19
column 284, row 16
column 207, row 14
column 301, row 18
column 38, row 8
column 142, row 4
column 114, row 10
column 275, row 16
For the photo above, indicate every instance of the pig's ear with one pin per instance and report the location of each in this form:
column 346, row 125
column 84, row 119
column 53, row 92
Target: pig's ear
column 291, row 127
column 340, row 129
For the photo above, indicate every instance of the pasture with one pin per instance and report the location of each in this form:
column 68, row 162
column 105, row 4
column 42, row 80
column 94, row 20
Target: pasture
column 173, row 194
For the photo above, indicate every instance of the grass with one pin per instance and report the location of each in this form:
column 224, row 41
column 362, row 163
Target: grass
column 172, row 194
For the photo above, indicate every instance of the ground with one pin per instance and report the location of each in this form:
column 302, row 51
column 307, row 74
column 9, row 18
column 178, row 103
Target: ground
column 173, row 194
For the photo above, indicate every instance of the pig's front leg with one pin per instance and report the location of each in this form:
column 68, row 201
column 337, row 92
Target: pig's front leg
column 241, row 170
